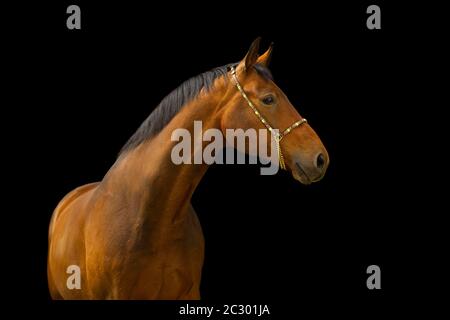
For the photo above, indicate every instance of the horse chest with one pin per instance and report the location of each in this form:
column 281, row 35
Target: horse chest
column 172, row 271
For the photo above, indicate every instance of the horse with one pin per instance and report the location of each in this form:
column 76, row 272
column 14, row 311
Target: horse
column 135, row 234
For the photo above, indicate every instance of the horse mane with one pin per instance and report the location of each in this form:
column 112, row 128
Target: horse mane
column 174, row 102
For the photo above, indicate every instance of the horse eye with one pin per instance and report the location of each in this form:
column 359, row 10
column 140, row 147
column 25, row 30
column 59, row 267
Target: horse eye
column 268, row 100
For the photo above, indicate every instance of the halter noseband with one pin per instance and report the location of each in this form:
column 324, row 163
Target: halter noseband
column 277, row 135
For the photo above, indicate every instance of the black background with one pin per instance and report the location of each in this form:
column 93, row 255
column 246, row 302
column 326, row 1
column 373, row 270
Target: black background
column 269, row 239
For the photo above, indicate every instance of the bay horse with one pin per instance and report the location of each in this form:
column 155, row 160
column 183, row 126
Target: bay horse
column 135, row 235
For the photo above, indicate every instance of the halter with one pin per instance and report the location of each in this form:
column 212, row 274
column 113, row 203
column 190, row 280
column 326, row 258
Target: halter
column 277, row 135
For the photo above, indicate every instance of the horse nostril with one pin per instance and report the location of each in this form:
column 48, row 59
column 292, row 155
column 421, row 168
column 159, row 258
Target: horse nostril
column 320, row 162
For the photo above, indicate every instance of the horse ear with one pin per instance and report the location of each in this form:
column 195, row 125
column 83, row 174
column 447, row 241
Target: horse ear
column 264, row 59
column 252, row 54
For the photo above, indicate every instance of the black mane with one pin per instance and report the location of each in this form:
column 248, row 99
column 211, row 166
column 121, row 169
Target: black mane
column 175, row 101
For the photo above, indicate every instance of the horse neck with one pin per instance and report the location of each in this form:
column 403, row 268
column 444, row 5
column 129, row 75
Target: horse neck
column 157, row 189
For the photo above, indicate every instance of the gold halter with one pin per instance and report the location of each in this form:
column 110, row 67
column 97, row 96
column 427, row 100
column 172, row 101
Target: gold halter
column 277, row 135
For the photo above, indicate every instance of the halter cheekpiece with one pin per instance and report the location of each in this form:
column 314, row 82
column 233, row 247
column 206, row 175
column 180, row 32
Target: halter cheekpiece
column 277, row 135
